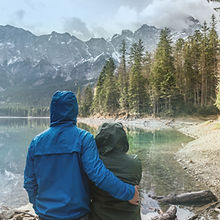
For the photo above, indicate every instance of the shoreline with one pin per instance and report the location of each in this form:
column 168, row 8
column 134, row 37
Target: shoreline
column 146, row 123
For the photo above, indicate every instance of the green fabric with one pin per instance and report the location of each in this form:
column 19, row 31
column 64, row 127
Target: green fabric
column 111, row 137
column 113, row 144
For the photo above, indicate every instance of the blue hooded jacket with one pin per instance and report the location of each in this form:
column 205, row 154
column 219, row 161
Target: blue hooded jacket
column 59, row 162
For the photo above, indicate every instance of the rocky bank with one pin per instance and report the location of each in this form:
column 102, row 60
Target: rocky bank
column 201, row 157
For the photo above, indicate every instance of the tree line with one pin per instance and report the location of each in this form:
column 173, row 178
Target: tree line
column 24, row 111
column 174, row 79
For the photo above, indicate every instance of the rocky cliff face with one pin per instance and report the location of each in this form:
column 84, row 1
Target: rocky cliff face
column 30, row 63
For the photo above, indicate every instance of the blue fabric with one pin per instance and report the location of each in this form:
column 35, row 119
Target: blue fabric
column 59, row 162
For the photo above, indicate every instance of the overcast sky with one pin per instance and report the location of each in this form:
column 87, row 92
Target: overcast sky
column 100, row 18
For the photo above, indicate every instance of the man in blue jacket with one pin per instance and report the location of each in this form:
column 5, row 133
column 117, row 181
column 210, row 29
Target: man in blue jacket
column 59, row 162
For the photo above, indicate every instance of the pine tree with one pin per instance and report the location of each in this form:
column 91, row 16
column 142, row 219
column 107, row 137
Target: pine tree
column 138, row 101
column 111, row 101
column 106, row 92
column 212, row 61
column 122, row 66
column 78, row 97
column 163, row 75
column 194, row 87
column 189, row 71
column 147, row 65
column 123, row 79
column 179, row 64
column 146, row 71
column 87, row 101
column 204, row 65
column 217, row 103
column 99, row 94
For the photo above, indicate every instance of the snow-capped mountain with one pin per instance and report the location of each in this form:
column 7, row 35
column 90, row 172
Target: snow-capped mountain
column 45, row 63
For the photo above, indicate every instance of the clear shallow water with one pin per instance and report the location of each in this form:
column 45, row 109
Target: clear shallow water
column 161, row 173
column 15, row 137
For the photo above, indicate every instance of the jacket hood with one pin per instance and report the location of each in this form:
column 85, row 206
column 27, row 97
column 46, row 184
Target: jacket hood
column 63, row 108
column 111, row 137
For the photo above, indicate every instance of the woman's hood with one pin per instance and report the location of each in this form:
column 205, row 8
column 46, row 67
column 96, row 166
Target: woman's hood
column 111, row 137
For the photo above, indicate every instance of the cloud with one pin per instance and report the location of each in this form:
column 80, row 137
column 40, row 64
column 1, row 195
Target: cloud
column 173, row 13
column 104, row 20
column 99, row 31
column 160, row 13
column 19, row 15
column 30, row 4
column 35, row 5
column 137, row 4
column 78, row 28
column 17, row 18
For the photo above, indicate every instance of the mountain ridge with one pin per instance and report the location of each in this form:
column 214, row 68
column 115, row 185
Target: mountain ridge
column 48, row 62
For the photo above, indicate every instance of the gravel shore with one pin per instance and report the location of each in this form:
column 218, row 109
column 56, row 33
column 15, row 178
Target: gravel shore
column 201, row 157
column 144, row 123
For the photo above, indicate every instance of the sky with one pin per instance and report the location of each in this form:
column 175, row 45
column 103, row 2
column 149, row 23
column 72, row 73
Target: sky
column 101, row 18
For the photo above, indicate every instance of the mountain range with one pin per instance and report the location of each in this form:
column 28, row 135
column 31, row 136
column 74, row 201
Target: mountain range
column 33, row 67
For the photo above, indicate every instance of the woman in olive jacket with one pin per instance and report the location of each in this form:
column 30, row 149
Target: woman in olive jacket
column 112, row 144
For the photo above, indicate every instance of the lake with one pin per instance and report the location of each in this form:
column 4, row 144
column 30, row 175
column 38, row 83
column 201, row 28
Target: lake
column 162, row 174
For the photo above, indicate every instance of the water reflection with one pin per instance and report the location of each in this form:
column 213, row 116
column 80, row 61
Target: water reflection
column 23, row 122
column 15, row 137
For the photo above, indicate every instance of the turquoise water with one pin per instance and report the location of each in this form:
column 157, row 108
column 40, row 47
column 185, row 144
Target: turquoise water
column 161, row 173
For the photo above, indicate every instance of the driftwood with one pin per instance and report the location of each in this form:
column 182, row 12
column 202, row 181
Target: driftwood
column 191, row 198
column 170, row 214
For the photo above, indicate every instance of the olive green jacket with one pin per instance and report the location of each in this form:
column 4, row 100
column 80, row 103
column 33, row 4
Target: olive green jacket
column 113, row 145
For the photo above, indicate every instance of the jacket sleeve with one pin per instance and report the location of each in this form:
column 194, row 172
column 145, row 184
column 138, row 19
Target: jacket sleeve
column 100, row 175
column 30, row 183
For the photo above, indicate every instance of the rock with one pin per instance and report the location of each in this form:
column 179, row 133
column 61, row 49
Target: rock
column 17, row 214
column 193, row 217
column 191, row 198
column 170, row 214
column 217, row 210
column 7, row 214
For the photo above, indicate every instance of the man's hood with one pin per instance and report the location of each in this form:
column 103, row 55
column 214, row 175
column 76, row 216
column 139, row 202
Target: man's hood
column 63, row 108
column 111, row 137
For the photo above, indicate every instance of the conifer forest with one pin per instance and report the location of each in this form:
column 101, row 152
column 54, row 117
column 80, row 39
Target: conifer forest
column 177, row 78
